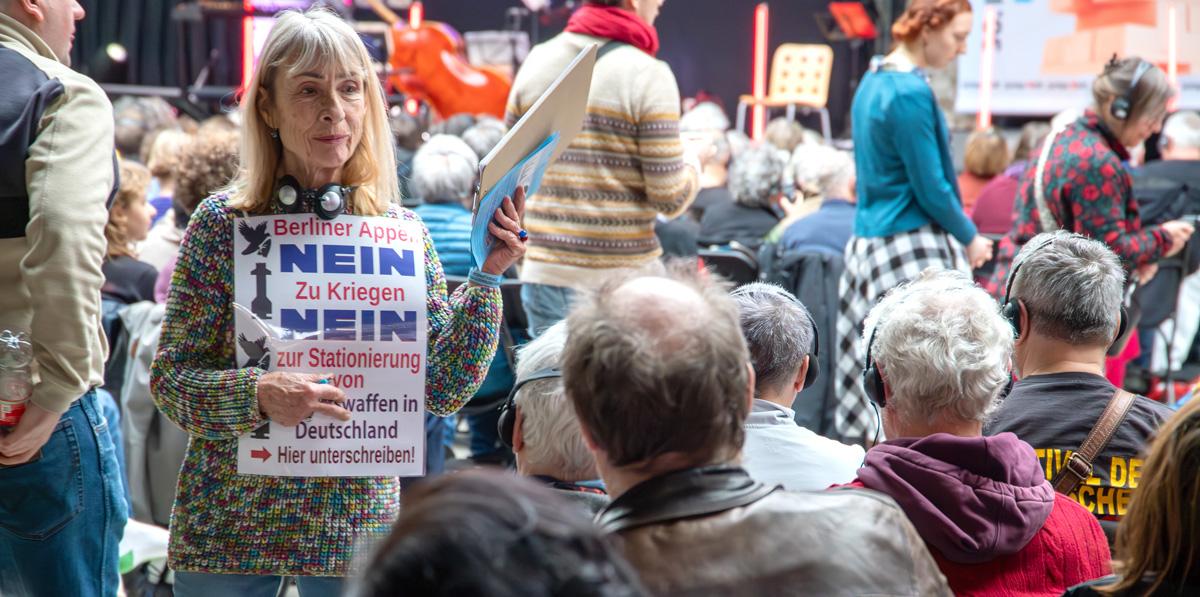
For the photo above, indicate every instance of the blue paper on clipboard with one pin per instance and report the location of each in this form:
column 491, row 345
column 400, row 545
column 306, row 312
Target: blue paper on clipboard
column 528, row 172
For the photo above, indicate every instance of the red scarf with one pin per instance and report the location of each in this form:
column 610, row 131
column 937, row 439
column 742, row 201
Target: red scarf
column 616, row 24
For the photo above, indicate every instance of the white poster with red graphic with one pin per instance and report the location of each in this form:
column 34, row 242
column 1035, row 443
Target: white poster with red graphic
column 344, row 297
column 1048, row 52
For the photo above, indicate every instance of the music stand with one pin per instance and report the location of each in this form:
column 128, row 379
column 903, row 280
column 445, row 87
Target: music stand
column 853, row 20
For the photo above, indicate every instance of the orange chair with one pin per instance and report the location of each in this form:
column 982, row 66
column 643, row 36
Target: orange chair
column 799, row 79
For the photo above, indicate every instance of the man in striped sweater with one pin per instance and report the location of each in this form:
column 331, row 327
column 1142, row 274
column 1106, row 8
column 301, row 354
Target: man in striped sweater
column 595, row 211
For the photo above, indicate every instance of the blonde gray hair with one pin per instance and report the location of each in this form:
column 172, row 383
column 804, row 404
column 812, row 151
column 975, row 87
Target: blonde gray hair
column 757, row 175
column 444, row 170
column 942, row 346
column 821, row 170
column 1183, row 129
column 1151, row 95
column 308, row 41
column 549, row 428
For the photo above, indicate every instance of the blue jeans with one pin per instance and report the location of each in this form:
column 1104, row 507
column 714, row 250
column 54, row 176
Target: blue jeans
column 545, row 306
column 485, row 434
column 112, row 414
column 201, row 584
column 62, row 514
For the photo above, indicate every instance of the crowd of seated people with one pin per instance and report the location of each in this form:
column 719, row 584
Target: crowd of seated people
column 649, row 442
column 646, row 441
column 655, row 426
column 674, row 391
column 662, row 408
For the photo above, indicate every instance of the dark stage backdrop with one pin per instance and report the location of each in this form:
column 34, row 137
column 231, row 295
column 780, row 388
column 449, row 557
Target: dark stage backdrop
column 708, row 43
column 152, row 40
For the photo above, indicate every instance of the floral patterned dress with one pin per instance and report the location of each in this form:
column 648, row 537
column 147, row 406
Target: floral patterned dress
column 1088, row 191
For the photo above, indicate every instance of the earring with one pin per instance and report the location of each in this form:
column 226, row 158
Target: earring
column 274, row 133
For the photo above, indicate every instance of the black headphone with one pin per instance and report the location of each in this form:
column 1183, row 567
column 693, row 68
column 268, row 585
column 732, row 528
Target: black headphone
column 328, row 202
column 508, row 413
column 872, row 379
column 1122, row 106
column 814, row 368
column 1011, row 309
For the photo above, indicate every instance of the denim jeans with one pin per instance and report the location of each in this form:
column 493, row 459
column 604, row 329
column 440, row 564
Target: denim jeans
column 485, row 434
column 62, row 514
column 112, row 414
column 200, row 584
column 545, row 305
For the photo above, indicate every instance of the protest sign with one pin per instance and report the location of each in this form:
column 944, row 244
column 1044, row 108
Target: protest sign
column 345, row 297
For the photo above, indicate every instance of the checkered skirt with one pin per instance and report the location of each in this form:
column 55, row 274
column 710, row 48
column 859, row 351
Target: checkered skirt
column 873, row 267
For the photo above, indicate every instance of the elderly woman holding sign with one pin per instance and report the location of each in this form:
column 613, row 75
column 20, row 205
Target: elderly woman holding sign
column 316, row 138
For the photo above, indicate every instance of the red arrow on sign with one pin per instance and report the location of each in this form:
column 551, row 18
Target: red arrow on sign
column 260, row 453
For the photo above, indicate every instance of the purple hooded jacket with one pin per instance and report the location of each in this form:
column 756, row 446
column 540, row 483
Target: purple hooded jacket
column 972, row 498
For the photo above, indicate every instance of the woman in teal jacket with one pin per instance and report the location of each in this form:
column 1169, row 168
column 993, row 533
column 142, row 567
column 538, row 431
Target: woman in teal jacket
column 910, row 215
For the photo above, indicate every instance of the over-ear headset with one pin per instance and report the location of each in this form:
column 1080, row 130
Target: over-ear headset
column 1011, row 309
column 1122, row 106
column 814, row 368
column 508, row 413
column 328, row 202
column 872, row 379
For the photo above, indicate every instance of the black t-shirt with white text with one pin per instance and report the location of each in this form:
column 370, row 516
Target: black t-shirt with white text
column 1054, row 413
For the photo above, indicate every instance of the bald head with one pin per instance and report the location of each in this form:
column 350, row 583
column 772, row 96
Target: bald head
column 665, row 310
column 656, row 365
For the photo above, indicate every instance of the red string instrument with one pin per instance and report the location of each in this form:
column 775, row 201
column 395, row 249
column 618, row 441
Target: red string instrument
column 429, row 62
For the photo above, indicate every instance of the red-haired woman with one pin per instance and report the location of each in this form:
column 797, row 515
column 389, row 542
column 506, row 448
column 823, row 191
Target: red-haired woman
column 910, row 213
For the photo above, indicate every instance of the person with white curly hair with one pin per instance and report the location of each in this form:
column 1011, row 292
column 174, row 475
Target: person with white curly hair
column 757, row 183
column 444, row 172
column 708, row 121
column 546, row 440
column 823, row 176
column 938, row 354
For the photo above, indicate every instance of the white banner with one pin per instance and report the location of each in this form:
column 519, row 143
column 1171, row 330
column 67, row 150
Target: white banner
column 1049, row 51
column 345, row 297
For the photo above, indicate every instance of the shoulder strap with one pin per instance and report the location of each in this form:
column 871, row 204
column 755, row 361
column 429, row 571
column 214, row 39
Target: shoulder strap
column 608, row 46
column 1039, row 188
column 1079, row 466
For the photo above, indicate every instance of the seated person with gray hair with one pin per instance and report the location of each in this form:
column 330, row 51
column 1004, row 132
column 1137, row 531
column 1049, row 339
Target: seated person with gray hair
column 938, row 355
column 826, row 175
column 444, row 171
column 443, row 176
column 708, row 120
column 545, row 435
column 484, row 135
column 780, row 335
column 659, row 376
column 1065, row 294
column 756, row 181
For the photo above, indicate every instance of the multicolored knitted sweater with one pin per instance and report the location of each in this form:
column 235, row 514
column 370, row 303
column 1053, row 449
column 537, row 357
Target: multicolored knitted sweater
column 224, row 522
column 597, row 204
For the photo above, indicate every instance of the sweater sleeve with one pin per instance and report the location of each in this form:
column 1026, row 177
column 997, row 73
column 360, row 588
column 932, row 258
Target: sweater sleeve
column 914, row 115
column 464, row 329
column 192, row 380
column 69, row 174
column 671, row 184
column 1102, row 207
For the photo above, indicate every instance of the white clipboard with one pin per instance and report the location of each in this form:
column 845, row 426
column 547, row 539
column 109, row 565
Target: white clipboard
column 560, row 109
